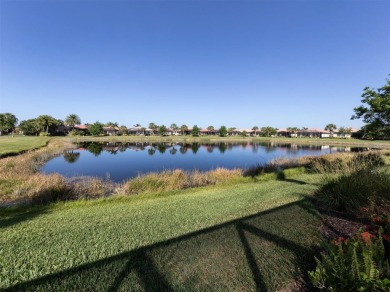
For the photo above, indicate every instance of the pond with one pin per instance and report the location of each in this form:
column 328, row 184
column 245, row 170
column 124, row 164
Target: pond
column 121, row 161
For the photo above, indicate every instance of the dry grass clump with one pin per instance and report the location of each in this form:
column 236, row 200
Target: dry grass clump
column 20, row 180
column 91, row 188
column 277, row 165
column 170, row 180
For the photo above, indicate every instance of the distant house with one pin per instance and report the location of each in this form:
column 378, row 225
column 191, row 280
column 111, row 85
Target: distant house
column 239, row 132
column 314, row 133
column 111, row 131
column 136, row 131
column 207, row 132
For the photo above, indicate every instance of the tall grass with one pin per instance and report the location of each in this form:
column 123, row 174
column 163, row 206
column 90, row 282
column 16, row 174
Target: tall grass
column 170, row 180
column 21, row 181
column 353, row 181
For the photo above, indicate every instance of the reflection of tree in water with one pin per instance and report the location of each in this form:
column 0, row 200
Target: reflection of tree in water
column 195, row 147
column 210, row 148
column 151, row 151
column 122, row 147
column 95, row 148
column 269, row 148
column 222, row 147
column 173, row 150
column 183, row 149
column 161, row 148
column 255, row 147
column 71, row 156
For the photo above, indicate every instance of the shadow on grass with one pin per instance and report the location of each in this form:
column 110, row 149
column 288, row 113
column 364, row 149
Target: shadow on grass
column 13, row 216
column 248, row 253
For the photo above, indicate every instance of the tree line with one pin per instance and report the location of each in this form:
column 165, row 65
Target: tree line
column 375, row 114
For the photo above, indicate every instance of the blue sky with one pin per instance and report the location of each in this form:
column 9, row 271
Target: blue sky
column 236, row 63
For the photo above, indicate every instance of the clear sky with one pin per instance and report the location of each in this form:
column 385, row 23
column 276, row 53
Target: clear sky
column 233, row 63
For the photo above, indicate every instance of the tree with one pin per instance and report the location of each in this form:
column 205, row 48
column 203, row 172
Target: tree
column 210, row 128
column 72, row 120
column 293, row 131
column 111, row 124
column 344, row 130
column 244, row 133
column 96, row 129
column 47, row 123
column 7, row 123
column 255, row 128
column 174, row 128
column 162, row 130
column 195, row 130
column 268, row 131
column 222, row 131
column 183, row 128
column 123, row 129
column 330, row 128
column 376, row 115
column 230, row 130
column 30, row 127
column 153, row 127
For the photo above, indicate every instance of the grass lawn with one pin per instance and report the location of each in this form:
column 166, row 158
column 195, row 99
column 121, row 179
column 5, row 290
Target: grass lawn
column 15, row 144
column 252, row 236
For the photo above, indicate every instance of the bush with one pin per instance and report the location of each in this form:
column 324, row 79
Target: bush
column 353, row 182
column 356, row 264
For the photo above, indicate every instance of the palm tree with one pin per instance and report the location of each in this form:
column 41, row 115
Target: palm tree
column 183, row 128
column 153, row 126
column 330, row 128
column 45, row 121
column 255, row 128
column 292, row 130
column 72, row 120
column 174, row 127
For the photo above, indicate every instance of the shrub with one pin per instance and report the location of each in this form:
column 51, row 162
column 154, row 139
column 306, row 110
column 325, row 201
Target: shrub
column 356, row 264
column 353, row 182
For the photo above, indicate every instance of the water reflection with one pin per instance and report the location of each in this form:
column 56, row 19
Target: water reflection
column 269, row 147
column 125, row 160
column 71, row 156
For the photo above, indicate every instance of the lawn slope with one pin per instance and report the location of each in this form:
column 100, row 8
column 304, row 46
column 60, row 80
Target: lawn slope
column 238, row 237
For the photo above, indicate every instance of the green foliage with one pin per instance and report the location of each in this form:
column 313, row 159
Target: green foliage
column 30, row 127
column 377, row 112
column 357, row 264
column 195, row 131
column 47, row 123
column 243, row 134
column 72, row 120
column 153, row 126
column 183, row 128
column 96, row 129
column 353, row 183
column 162, row 130
column 268, row 131
column 330, row 127
column 222, row 131
column 7, row 123
column 345, row 130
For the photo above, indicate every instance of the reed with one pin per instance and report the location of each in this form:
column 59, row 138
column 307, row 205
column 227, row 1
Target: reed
column 170, row 180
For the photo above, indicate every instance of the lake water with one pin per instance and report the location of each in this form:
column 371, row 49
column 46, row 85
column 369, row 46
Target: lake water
column 118, row 162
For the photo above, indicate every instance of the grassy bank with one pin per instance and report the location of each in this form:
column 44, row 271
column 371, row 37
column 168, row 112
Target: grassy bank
column 239, row 237
column 12, row 145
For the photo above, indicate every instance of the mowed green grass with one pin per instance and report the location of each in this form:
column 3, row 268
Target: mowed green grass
column 250, row 236
column 16, row 144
